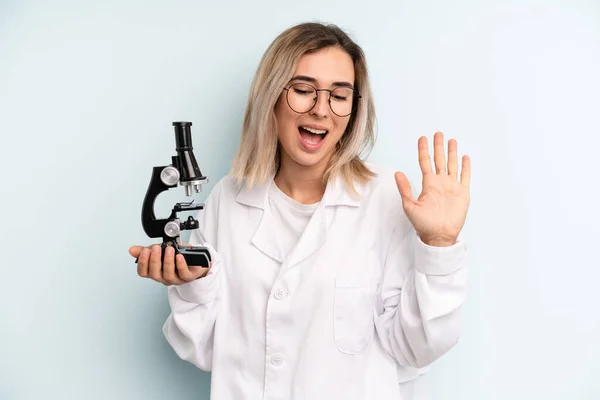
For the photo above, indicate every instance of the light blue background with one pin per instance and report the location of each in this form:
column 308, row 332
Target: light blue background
column 88, row 92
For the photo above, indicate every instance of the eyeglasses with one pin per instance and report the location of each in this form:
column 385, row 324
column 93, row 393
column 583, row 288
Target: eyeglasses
column 302, row 97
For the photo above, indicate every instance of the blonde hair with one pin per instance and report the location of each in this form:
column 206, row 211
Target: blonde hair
column 258, row 155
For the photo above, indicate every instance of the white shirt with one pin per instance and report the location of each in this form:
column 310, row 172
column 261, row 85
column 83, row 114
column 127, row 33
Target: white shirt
column 357, row 311
column 290, row 217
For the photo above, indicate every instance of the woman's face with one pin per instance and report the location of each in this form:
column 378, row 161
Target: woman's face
column 309, row 139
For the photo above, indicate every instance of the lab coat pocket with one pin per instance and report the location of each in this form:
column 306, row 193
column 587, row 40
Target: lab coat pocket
column 353, row 315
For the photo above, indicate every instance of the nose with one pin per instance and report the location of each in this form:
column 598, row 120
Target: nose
column 321, row 109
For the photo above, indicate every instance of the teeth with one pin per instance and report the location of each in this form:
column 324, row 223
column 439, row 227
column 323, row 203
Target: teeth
column 315, row 131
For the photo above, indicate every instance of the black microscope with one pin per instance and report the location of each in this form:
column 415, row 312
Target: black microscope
column 185, row 172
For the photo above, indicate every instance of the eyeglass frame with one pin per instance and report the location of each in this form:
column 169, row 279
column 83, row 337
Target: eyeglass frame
column 356, row 95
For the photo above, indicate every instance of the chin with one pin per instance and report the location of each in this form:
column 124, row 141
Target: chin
column 306, row 159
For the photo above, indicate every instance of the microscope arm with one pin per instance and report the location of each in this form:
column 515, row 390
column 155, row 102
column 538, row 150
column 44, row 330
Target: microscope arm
column 154, row 228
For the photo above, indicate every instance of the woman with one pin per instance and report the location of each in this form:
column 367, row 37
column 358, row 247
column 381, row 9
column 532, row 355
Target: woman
column 328, row 281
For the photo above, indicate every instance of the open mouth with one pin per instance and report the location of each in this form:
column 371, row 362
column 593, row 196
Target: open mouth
column 312, row 137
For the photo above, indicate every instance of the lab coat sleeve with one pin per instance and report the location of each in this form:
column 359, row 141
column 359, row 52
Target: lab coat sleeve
column 422, row 291
column 189, row 328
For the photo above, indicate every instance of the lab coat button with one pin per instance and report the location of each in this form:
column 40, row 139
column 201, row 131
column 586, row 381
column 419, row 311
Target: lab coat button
column 280, row 294
column 277, row 360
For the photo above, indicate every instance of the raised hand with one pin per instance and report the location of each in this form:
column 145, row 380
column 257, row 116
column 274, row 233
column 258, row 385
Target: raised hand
column 440, row 211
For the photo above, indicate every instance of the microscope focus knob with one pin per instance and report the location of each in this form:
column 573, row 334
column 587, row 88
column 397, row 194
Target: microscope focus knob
column 172, row 228
column 169, row 176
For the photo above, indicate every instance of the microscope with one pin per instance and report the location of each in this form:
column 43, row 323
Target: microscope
column 185, row 172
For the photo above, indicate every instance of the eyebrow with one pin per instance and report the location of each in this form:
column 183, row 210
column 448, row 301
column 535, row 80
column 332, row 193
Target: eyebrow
column 313, row 80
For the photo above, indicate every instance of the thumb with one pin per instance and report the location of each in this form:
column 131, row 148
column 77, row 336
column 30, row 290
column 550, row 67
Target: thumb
column 403, row 186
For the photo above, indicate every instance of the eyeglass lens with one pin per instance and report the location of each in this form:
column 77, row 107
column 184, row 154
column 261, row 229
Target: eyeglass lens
column 303, row 97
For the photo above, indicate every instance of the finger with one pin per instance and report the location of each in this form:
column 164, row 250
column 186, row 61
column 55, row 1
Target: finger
column 142, row 265
column 169, row 275
column 452, row 159
column 424, row 159
column 155, row 264
column 465, row 174
column 199, row 272
column 135, row 251
column 403, row 186
column 408, row 202
column 186, row 273
column 438, row 153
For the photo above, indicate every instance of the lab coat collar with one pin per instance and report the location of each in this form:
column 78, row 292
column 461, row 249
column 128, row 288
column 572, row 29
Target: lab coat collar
column 315, row 234
column 336, row 194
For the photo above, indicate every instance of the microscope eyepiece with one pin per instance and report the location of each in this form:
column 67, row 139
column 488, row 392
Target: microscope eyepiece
column 185, row 161
column 183, row 136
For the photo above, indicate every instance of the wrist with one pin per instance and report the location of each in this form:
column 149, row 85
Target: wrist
column 439, row 241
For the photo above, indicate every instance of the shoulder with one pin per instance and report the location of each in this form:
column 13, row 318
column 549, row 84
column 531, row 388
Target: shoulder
column 229, row 190
column 382, row 184
column 381, row 194
column 224, row 188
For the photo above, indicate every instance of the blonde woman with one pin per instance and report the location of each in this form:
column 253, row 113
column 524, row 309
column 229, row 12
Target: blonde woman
column 329, row 280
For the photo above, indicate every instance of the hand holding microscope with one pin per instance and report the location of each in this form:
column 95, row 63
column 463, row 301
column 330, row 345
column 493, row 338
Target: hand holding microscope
column 184, row 171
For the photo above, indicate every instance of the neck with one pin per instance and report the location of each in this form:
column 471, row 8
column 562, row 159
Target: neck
column 301, row 183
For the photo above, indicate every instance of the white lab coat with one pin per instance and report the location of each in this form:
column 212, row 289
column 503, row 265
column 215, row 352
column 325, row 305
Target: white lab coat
column 357, row 311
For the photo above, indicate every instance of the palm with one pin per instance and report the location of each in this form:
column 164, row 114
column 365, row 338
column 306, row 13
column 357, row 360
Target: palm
column 440, row 211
